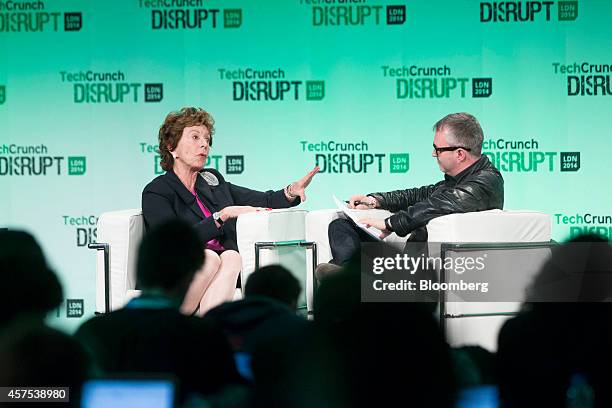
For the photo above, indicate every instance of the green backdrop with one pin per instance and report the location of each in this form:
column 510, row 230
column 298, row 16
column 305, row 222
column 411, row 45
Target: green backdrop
column 353, row 86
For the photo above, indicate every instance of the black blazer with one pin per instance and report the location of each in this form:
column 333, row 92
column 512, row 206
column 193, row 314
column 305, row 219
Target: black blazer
column 166, row 197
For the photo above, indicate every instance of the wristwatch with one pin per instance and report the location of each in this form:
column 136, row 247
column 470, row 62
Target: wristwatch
column 217, row 217
column 388, row 225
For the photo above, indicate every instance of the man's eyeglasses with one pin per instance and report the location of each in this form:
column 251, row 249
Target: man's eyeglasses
column 439, row 150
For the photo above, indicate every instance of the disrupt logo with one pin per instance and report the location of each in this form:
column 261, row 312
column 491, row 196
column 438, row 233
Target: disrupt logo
column 337, row 158
column 250, row 84
column 414, row 82
column 526, row 11
column 354, row 15
column 189, row 14
column 234, row 164
column 2, row 94
column 110, row 87
column 30, row 16
column 16, row 160
column 585, row 79
column 84, row 228
column 586, row 224
column 524, row 156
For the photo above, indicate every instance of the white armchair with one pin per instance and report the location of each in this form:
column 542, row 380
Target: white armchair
column 526, row 233
column 120, row 232
column 275, row 226
column 468, row 322
column 118, row 238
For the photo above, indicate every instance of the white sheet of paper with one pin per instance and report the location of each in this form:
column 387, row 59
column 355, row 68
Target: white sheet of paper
column 357, row 215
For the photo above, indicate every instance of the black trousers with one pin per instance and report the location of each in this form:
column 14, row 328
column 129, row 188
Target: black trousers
column 345, row 240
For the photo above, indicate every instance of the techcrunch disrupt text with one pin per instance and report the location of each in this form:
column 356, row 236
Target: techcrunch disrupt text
column 409, row 264
column 170, row 3
column 526, row 156
column 31, row 16
column 190, row 15
column 586, row 223
column 527, row 11
column 329, row 13
column 586, row 79
column 250, row 84
column 84, row 226
column 335, row 157
column 512, row 11
column 110, row 87
column 435, row 82
column 35, row 160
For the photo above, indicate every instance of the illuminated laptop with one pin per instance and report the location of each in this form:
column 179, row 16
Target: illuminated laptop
column 129, row 392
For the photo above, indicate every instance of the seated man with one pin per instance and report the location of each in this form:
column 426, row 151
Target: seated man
column 150, row 335
column 471, row 183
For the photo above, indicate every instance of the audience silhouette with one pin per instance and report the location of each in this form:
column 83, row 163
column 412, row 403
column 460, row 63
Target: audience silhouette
column 553, row 353
column 562, row 332
column 150, row 335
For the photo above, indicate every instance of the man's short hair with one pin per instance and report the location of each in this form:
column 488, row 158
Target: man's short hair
column 463, row 130
column 273, row 281
column 168, row 254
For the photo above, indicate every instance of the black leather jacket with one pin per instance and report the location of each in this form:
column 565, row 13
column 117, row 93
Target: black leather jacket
column 479, row 187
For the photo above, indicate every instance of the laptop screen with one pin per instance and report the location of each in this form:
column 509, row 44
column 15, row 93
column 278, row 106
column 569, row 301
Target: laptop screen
column 132, row 393
column 485, row 396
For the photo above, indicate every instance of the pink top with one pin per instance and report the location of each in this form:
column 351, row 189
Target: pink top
column 213, row 244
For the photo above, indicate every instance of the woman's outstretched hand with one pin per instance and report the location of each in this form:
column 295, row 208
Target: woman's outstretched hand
column 297, row 188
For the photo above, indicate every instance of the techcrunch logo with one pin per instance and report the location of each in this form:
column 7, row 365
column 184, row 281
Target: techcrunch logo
column 519, row 156
column 84, row 227
column 526, row 11
column 586, row 224
column 585, row 79
column 110, row 87
column 326, row 13
column 2, row 94
column 16, row 160
column 30, row 16
column 434, row 82
column 189, row 14
column 249, row 84
column 338, row 158
column 234, row 164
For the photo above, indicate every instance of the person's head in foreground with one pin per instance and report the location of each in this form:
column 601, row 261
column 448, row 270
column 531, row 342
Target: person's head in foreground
column 578, row 271
column 37, row 356
column 276, row 282
column 169, row 256
column 374, row 341
column 29, row 288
